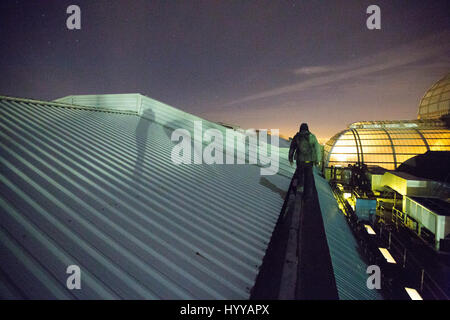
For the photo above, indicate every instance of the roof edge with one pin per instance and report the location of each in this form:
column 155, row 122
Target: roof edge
column 66, row 105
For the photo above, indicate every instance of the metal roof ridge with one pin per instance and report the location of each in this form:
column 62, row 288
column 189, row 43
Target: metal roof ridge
column 67, row 105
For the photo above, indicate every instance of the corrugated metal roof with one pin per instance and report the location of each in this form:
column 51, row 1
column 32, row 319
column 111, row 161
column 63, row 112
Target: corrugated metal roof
column 170, row 117
column 348, row 266
column 98, row 189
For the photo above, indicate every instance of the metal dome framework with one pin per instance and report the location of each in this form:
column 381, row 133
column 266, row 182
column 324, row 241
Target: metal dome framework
column 436, row 101
column 384, row 146
column 389, row 143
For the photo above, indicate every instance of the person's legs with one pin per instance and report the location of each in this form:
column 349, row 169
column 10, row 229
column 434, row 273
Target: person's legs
column 300, row 176
column 308, row 179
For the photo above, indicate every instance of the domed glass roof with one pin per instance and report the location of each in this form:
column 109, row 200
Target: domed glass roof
column 436, row 101
column 384, row 146
column 389, row 143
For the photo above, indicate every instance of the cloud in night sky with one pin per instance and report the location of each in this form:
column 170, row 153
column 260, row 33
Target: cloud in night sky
column 314, row 70
column 434, row 47
column 382, row 86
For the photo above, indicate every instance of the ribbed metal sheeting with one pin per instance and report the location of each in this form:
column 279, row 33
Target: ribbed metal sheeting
column 174, row 118
column 123, row 101
column 99, row 190
column 348, row 267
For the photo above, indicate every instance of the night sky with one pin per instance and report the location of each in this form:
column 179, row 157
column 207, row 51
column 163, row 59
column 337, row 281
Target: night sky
column 261, row 64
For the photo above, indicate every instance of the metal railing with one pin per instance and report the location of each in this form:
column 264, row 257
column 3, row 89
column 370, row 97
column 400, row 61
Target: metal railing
column 409, row 271
column 419, row 277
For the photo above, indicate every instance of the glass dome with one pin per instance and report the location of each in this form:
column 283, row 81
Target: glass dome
column 436, row 101
column 384, row 145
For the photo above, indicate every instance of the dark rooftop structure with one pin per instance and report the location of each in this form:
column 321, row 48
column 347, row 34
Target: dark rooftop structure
column 433, row 165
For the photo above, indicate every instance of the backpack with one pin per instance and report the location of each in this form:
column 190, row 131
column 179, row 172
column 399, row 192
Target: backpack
column 304, row 148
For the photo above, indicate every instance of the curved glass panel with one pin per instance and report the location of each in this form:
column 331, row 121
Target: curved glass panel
column 383, row 147
column 436, row 101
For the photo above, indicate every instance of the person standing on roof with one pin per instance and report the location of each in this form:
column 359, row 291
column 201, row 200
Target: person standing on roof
column 306, row 150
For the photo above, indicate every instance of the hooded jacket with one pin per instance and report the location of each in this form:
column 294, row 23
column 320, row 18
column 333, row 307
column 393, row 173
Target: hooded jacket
column 314, row 152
